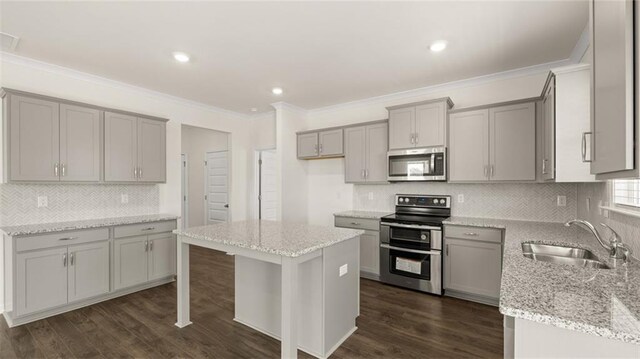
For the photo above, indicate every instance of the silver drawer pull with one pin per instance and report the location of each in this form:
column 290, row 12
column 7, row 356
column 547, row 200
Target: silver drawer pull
column 151, row 245
column 473, row 234
column 148, row 229
column 71, row 258
column 67, row 238
column 355, row 223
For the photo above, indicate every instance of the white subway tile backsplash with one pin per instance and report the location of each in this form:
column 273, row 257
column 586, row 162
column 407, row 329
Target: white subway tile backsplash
column 519, row 201
column 19, row 202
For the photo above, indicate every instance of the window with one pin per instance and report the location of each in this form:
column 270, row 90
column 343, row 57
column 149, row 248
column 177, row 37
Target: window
column 626, row 192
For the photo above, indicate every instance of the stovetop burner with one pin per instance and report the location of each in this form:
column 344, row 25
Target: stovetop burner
column 420, row 209
column 414, row 219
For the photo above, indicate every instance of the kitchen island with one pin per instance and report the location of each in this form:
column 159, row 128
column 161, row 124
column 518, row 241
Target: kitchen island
column 295, row 282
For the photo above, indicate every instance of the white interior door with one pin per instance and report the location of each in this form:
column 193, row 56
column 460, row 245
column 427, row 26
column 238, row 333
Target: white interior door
column 216, row 187
column 267, row 189
column 185, row 191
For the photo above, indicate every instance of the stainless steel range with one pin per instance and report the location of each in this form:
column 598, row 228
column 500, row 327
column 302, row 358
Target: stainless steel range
column 411, row 242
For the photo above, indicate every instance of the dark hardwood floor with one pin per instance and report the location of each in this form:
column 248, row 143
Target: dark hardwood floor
column 394, row 323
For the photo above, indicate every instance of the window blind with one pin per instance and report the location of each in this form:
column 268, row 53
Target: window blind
column 627, row 192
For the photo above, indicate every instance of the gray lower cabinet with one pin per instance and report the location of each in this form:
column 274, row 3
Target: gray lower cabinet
column 369, row 243
column 473, row 263
column 366, row 153
column 493, row 144
column 318, row 144
column 52, row 273
column 135, row 149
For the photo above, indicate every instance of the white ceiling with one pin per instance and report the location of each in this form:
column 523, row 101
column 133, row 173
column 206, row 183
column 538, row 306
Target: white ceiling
column 321, row 53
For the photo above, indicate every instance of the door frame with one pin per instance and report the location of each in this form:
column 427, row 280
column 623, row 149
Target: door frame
column 184, row 158
column 228, row 151
column 257, row 182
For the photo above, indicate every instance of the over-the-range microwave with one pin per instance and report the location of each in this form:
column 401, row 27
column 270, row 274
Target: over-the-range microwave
column 420, row 164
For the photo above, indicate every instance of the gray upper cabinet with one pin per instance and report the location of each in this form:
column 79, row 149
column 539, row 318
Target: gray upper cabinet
column 135, row 149
column 366, row 153
column 469, row 146
column 34, row 139
column 322, row 143
column 420, row 124
column 151, row 150
column 80, row 150
column 493, row 144
column 613, row 122
column 120, row 147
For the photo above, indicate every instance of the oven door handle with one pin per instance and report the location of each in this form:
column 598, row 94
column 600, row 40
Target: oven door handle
column 439, row 253
column 414, row 226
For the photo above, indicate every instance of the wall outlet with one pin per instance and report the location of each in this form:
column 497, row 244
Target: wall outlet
column 370, row 196
column 124, row 198
column 344, row 269
column 562, row 201
column 43, row 201
column 460, row 198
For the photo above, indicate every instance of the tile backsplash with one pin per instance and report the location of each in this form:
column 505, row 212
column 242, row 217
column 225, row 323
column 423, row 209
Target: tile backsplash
column 19, row 202
column 530, row 202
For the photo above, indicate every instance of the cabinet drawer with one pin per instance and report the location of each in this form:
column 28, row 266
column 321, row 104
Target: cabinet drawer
column 143, row 229
column 61, row 239
column 358, row 223
column 474, row 233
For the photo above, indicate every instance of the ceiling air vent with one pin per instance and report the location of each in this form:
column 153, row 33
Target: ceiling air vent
column 8, row 42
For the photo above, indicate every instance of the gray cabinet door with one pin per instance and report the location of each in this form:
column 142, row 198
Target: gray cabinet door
column 401, row 128
column 80, row 143
column 308, row 145
column 430, row 124
column 370, row 252
column 151, row 150
column 34, row 139
column 355, row 154
column 613, row 87
column 469, row 146
column 473, row 267
column 130, row 261
column 376, row 152
column 512, row 142
column 162, row 256
column 548, row 132
column 120, row 147
column 41, row 280
column 330, row 143
column 88, row 270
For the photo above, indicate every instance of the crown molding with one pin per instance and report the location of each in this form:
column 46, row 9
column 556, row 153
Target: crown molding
column 264, row 115
column 99, row 80
column 581, row 46
column 287, row 106
column 423, row 91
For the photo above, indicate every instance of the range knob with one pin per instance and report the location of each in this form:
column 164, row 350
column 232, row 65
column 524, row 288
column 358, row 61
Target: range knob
column 423, row 237
column 442, row 201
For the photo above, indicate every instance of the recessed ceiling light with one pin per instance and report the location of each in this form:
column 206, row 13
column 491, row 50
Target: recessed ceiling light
column 181, row 57
column 253, row 109
column 277, row 90
column 438, row 46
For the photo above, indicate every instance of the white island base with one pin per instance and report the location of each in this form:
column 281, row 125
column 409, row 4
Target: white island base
column 310, row 302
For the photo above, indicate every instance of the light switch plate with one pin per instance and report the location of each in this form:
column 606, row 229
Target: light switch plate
column 43, row 201
column 562, row 201
column 124, row 198
column 461, row 198
column 344, row 269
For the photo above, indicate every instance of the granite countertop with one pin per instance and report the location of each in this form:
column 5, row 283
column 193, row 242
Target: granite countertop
column 281, row 238
column 39, row 228
column 603, row 302
column 362, row 214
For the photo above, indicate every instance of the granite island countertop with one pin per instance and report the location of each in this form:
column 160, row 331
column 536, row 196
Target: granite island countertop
column 603, row 302
column 362, row 214
column 40, row 228
column 282, row 238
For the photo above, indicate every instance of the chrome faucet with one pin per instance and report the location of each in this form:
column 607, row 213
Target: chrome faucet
column 617, row 249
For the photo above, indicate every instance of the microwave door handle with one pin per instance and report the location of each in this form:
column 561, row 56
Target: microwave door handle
column 432, row 164
column 410, row 250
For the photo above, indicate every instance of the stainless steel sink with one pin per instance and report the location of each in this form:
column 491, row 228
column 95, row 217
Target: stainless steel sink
column 562, row 255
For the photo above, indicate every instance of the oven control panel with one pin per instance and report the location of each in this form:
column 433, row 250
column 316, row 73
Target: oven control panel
column 423, row 201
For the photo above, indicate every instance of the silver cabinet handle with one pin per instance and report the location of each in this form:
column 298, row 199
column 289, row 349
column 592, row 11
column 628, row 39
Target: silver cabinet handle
column 148, row 229
column 67, row 238
column 135, row 172
column 150, row 245
column 491, row 170
column 315, row 148
column 63, row 169
column 412, row 139
column 362, row 174
column 472, row 234
column 71, row 259
column 584, row 146
column 486, row 171
column 355, row 223
column 146, row 246
column 447, row 250
column 544, row 166
column 64, row 260
column 139, row 172
column 55, row 169
column 366, row 173
column 417, row 138
column 320, row 148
